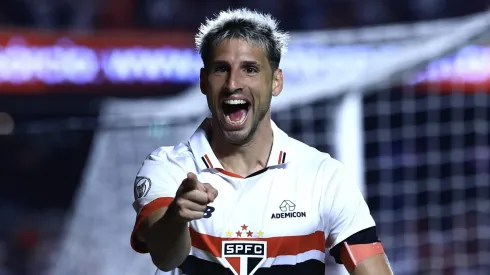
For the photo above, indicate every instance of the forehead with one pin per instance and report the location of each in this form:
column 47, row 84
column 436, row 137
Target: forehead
column 238, row 50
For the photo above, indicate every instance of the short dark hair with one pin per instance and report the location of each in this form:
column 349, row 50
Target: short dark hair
column 252, row 26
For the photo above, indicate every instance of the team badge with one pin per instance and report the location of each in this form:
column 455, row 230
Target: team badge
column 244, row 257
column 142, row 186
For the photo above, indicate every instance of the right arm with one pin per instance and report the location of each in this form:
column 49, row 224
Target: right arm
column 165, row 206
column 166, row 231
column 167, row 238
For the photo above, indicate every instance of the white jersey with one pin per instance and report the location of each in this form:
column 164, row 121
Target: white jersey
column 279, row 220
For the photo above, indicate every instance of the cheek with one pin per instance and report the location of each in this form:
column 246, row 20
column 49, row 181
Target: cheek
column 266, row 93
column 215, row 87
column 262, row 89
column 262, row 100
column 213, row 100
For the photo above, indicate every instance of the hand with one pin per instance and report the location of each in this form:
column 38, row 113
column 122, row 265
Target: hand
column 192, row 198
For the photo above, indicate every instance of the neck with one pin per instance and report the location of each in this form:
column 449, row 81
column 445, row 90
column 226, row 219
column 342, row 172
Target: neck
column 247, row 158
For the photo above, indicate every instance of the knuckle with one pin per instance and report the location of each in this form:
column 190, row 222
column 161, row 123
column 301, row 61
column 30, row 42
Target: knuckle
column 180, row 203
column 182, row 213
column 195, row 193
column 200, row 215
column 189, row 195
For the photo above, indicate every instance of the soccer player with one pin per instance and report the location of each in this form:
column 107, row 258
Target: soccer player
column 240, row 196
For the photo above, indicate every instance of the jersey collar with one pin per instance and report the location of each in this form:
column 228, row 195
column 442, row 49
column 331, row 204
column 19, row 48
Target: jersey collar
column 206, row 159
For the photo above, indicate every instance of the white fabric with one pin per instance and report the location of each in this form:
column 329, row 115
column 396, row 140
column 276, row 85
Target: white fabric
column 308, row 183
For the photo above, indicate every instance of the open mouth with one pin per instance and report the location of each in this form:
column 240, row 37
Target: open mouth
column 236, row 111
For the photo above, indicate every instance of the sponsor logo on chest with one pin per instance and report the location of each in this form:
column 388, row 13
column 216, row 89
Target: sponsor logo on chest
column 288, row 208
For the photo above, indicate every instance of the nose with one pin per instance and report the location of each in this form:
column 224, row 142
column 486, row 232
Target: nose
column 234, row 81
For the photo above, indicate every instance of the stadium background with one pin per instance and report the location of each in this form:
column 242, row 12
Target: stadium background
column 88, row 88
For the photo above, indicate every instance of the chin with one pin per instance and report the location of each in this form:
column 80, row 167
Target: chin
column 234, row 134
column 236, row 137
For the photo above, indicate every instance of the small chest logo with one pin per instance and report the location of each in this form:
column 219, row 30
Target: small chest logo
column 244, row 257
column 287, row 208
column 142, row 186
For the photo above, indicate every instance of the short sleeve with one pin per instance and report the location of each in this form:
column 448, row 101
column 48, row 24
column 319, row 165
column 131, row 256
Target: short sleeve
column 345, row 212
column 155, row 186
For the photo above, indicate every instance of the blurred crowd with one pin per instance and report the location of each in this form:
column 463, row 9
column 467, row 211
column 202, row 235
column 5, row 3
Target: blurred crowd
column 187, row 14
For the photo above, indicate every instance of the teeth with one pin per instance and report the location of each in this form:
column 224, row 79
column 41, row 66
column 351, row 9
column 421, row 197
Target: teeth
column 241, row 121
column 235, row 101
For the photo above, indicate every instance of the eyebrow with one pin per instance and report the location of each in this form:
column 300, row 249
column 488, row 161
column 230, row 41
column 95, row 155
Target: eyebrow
column 251, row 63
column 243, row 63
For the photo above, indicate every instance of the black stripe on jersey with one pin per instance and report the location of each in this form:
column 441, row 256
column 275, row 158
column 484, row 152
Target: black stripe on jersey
column 283, row 158
column 205, row 163
column 258, row 172
column 368, row 235
column 195, row 266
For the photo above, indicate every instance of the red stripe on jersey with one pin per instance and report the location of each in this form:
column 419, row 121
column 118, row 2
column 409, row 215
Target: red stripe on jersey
column 276, row 246
column 228, row 173
column 280, row 158
column 136, row 244
column 209, row 161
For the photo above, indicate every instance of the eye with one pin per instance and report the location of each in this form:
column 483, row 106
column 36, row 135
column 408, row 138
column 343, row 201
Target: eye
column 220, row 69
column 251, row 70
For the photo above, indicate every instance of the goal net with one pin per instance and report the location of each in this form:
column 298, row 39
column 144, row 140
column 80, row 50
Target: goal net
column 406, row 107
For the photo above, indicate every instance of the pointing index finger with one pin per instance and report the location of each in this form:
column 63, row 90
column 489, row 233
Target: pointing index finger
column 190, row 183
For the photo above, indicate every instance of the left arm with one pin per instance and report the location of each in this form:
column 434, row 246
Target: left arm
column 362, row 254
column 374, row 265
column 351, row 230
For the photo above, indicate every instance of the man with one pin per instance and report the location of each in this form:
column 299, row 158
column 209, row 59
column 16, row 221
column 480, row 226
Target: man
column 241, row 197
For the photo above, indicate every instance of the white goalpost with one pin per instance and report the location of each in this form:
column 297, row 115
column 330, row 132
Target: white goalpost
column 354, row 94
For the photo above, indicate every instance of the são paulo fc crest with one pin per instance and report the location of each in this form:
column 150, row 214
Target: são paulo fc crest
column 244, row 257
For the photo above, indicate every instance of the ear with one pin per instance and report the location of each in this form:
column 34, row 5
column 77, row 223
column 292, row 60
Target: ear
column 203, row 80
column 277, row 82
